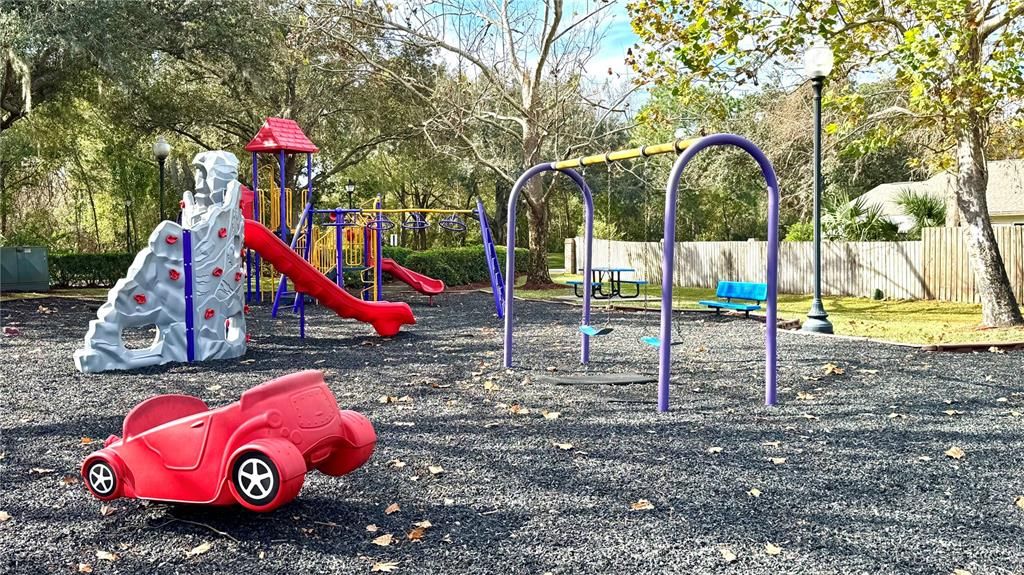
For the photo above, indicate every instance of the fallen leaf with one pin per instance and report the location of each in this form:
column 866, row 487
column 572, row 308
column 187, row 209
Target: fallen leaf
column 955, row 452
column 372, row 528
column 772, row 443
column 416, row 534
column 995, row 349
column 435, row 469
column 550, row 414
column 961, row 572
column 86, row 440
column 391, row 509
column 396, row 464
column 107, row 510
column 4, row 516
column 563, row 446
column 11, row 331
column 868, row 371
column 809, row 416
column 424, row 524
column 924, row 458
column 952, row 412
column 199, row 549
column 106, row 555
column 777, row 460
column 69, row 479
column 383, row 540
column 772, row 549
column 1019, row 502
column 728, row 555
column 832, row 369
column 387, row 399
column 755, row 492
column 714, row 450
column 385, row 567
column 642, row 505
column 84, row 568
column 405, row 399
column 551, row 368
column 1001, row 400
column 804, row 395
column 491, row 386
column 516, row 409
column 41, row 471
column 895, row 415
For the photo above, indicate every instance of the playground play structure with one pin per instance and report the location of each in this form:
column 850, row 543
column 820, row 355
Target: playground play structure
column 337, row 240
column 188, row 281
column 688, row 148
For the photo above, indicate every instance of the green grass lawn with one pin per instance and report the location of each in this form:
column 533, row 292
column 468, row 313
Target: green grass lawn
column 906, row 321
column 556, row 260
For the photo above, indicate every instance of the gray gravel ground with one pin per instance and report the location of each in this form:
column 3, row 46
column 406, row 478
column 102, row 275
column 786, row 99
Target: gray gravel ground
column 865, row 486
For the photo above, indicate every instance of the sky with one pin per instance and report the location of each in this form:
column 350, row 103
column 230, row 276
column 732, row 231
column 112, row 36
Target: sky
column 618, row 39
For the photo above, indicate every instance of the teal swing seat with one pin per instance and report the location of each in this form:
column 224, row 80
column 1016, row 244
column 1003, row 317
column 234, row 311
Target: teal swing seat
column 592, row 331
column 651, row 340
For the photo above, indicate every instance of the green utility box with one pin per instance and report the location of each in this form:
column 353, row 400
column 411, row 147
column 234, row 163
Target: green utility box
column 24, row 268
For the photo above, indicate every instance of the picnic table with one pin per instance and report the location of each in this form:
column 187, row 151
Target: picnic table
column 606, row 283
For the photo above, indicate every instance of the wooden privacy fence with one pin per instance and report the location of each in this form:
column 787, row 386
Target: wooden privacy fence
column 937, row 267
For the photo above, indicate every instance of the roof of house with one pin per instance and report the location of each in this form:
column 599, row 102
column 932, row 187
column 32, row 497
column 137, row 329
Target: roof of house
column 278, row 134
column 1005, row 194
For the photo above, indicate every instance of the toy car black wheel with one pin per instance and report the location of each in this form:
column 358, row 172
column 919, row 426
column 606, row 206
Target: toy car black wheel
column 256, row 478
column 101, row 479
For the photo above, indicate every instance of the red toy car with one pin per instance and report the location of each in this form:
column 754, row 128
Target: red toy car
column 255, row 451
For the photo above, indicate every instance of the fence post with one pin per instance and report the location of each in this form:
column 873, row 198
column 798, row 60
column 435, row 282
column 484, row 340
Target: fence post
column 570, row 255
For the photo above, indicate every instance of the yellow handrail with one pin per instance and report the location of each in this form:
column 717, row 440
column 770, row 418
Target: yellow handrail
column 619, row 155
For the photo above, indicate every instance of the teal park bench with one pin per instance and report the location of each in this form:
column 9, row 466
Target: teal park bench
column 729, row 291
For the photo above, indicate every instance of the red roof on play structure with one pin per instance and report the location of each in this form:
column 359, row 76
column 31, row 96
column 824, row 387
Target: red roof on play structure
column 278, row 134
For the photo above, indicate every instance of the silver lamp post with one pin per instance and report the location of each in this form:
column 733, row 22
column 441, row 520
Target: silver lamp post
column 161, row 149
column 818, row 61
column 350, row 187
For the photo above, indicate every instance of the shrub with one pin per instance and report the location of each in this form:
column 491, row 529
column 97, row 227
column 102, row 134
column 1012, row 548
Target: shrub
column 88, row 270
column 398, row 253
column 460, row 266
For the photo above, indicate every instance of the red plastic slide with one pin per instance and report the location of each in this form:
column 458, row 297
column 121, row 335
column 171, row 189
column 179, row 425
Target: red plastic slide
column 419, row 282
column 386, row 317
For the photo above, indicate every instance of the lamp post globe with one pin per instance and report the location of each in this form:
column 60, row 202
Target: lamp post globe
column 350, row 187
column 161, row 150
column 818, row 62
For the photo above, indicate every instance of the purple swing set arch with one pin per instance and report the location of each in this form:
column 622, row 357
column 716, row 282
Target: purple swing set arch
column 692, row 148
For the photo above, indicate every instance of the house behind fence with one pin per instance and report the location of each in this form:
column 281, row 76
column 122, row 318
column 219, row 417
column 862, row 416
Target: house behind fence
column 936, row 267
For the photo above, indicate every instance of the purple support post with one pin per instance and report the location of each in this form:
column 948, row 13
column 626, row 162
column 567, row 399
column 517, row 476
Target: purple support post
column 671, row 193
column 282, row 198
column 256, row 216
column 283, row 285
column 377, row 260
column 510, row 255
column 339, row 248
column 190, row 332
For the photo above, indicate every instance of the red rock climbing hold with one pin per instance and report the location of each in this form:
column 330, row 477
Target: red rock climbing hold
column 247, row 338
column 140, row 298
column 209, row 313
column 246, row 308
column 223, row 232
column 217, row 272
column 238, row 276
column 174, row 275
column 181, row 204
column 171, row 239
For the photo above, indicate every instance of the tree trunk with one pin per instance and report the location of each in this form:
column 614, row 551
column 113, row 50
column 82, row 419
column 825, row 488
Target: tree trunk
column 998, row 305
column 500, row 220
column 539, row 226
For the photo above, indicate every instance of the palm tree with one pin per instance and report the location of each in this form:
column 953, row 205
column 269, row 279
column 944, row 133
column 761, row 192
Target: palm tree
column 926, row 211
column 855, row 221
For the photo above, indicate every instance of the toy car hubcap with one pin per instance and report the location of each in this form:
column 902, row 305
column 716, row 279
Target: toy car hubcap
column 101, row 478
column 256, row 479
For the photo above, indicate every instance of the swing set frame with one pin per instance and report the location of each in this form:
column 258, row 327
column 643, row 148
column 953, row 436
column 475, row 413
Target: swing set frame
column 687, row 149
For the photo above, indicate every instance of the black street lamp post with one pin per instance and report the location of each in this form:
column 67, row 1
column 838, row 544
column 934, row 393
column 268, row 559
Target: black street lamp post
column 350, row 187
column 161, row 149
column 817, row 64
